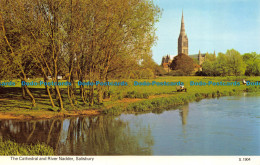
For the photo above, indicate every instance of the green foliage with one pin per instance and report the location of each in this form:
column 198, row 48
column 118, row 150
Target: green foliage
column 174, row 98
column 235, row 62
column 134, row 94
column 252, row 61
column 210, row 57
column 8, row 148
column 113, row 95
column 116, row 110
column 147, row 73
column 41, row 38
column 252, row 89
column 155, row 97
column 228, row 64
column 160, row 71
column 183, row 63
column 176, row 73
column 209, row 68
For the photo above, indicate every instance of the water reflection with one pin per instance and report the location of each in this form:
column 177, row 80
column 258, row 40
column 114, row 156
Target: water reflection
column 209, row 127
column 184, row 110
column 100, row 135
column 32, row 132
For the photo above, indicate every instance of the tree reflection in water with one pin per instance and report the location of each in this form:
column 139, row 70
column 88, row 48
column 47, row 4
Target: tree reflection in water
column 99, row 135
column 184, row 111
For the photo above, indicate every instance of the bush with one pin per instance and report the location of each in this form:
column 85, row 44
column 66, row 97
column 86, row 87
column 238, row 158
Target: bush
column 134, row 94
column 145, row 95
column 8, row 148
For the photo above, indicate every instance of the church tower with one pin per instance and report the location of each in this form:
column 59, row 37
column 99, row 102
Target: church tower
column 183, row 39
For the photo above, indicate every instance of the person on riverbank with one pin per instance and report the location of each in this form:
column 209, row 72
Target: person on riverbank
column 244, row 81
column 181, row 88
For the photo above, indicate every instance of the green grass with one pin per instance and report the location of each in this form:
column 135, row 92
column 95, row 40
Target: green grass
column 141, row 99
column 150, row 97
column 8, row 148
column 164, row 102
column 157, row 90
column 173, row 98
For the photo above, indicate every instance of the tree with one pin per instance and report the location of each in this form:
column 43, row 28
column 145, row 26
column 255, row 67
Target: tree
column 210, row 57
column 183, row 63
column 16, row 50
column 147, row 73
column 209, row 68
column 252, row 61
column 159, row 70
column 235, row 62
column 84, row 39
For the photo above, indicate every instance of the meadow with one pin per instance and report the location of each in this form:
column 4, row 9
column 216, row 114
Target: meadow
column 130, row 98
column 123, row 99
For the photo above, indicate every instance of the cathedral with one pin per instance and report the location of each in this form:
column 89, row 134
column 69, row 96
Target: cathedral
column 183, row 47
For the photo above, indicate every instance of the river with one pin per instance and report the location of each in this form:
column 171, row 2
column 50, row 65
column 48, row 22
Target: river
column 219, row 126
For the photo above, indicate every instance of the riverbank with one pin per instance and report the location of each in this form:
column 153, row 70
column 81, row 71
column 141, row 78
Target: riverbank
column 27, row 115
column 8, row 148
column 130, row 99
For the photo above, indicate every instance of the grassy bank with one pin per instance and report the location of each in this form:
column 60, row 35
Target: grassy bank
column 8, row 148
column 157, row 104
column 172, row 98
column 128, row 99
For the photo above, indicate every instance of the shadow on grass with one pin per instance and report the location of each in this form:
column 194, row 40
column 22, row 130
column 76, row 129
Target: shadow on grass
column 11, row 99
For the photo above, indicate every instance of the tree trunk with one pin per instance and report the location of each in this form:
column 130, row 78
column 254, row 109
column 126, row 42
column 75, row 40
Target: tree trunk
column 48, row 92
column 91, row 96
column 30, row 95
column 23, row 93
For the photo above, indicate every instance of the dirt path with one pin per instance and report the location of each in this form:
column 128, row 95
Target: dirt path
column 46, row 115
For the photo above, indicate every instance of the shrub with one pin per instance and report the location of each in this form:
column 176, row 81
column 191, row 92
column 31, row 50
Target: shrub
column 8, row 148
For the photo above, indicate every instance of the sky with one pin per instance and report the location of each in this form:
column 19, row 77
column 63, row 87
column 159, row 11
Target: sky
column 210, row 25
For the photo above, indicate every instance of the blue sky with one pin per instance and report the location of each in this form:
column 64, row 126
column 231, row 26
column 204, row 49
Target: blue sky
column 210, row 25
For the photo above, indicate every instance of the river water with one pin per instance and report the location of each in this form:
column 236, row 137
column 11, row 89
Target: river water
column 219, row 126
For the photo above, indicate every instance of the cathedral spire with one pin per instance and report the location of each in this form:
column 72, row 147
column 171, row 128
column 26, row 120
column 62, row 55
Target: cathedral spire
column 183, row 39
column 182, row 25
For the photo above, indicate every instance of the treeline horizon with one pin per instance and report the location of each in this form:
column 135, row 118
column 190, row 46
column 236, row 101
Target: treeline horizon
column 81, row 39
column 231, row 63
